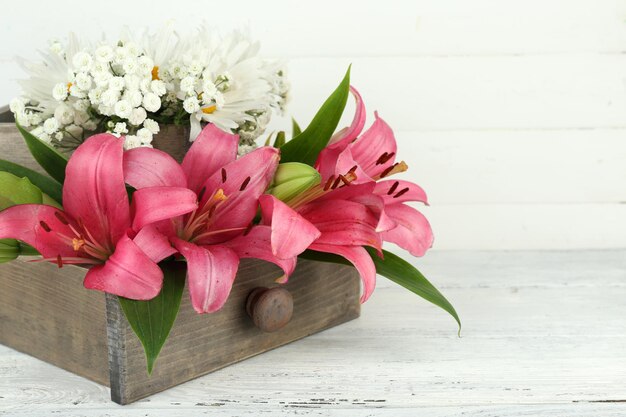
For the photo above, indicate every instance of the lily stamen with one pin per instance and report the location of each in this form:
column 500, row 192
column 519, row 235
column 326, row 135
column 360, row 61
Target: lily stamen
column 244, row 184
column 393, row 188
column 394, row 169
column 401, row 192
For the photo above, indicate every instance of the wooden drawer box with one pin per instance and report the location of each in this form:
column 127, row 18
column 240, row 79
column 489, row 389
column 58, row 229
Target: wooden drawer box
column 46, row 312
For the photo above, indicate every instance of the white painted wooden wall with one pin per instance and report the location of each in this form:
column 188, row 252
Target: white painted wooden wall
column 512, row 114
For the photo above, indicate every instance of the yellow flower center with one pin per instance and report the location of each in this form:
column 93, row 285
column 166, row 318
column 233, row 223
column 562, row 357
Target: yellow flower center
column 219, row 195
column 155, row 73
column 69, row 85
column 209, row 110
column 77, row 244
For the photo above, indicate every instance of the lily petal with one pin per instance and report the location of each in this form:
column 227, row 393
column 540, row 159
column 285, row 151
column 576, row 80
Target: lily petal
column 257, row 244
column 211, row 273
column 413, row 231
column 361, row 260
column 343, row 223
column 94, row 192
column 154, row 243
column 394, row 192
column 342, row 138
column 40, row 227
column 291, row 233
column 148, row 167
column 246, row 179
column 370, row 149
column 212, row 149
column 154, row 204
column 129, row 273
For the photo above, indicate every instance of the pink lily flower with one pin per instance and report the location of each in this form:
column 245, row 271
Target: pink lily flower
column 213, row 237
column 373, row 154
column 94, row 228
column 353, row 207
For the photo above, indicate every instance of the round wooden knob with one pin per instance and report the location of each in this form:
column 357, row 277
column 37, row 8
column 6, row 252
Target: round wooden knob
column 270, row 308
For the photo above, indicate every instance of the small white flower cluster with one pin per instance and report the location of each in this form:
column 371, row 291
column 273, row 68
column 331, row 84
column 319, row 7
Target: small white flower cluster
column 107, row 88
column 130, row 86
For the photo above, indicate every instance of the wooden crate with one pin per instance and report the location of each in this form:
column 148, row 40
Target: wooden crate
column 46, row 312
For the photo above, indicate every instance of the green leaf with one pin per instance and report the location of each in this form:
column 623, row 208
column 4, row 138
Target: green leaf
column 307, row 145
column 295, row 128
column 280, row 139
column 44, row 183
column 15, row 190
column 152, row 320
column 51, row 160
column 399, row 271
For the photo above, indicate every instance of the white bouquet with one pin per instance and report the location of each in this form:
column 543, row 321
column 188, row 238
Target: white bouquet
column 135, row 84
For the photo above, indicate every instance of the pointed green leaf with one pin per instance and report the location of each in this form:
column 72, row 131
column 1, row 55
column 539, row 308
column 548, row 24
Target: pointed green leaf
column 51, row 160
column 44, row 183
column 399, row 271
column 280, row 139
column 307, row 145
column 295, row 128
column 9, row 250
column 15, row 190
column 152, row 320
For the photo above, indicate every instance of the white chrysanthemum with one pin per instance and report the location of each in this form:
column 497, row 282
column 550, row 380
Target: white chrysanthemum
column 131, row 81
column 82, row 61
column 17, row 105
column 131, row 142
column 117, row 83
column 130, row 65
column 83, row 81
column 64, row 114
column 59, row 91
column 120, row 128
column 110, row 97
column 34, row 119
column 104, row 54
column 145, row 135
column 123, row 109
column 151, row 102
column 152, row 126
column 137, row 116
column 135, row 98
column 235, row 81
column 158, row 87
column 145, row 65
column 191, row 105
column 188, row 84
column 51, row 125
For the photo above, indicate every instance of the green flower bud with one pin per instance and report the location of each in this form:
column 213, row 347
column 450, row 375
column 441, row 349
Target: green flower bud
column 292, row 179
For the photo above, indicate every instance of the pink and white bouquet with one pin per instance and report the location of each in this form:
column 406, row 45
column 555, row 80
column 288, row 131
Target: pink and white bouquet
column 135, row 217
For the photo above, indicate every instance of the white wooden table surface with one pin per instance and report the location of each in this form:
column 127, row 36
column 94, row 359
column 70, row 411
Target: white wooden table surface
column 544, row 334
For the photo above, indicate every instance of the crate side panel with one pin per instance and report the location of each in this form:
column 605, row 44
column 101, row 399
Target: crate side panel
column 325, row 295
column 47, row 313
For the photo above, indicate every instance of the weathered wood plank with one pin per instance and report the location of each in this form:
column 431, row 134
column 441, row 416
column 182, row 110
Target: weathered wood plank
column 46, row 312
column 324, row 295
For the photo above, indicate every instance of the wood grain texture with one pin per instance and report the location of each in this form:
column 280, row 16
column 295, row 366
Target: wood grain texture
column 14, row 148
column 324, row 295
column 46, row 312
column 544, row 335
